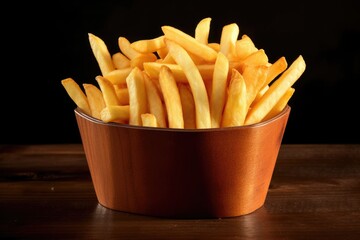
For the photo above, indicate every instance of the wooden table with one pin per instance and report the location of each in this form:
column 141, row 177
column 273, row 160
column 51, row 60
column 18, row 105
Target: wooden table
column 46, row 193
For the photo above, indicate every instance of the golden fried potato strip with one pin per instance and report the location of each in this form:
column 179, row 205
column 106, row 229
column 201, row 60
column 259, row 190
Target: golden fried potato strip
column 276, row 91
column 235, row 108
column 189, row 43
column 188, row 106
column 149, row 45
column 76, row 94
column 137, row 96
column 95, row 99
column 119, row 114
column 101, row 53
column 108, row 91
column 196, row 83
column 148, row 120
column 155, row 104
column 202, row 30
column 218, row 89
column 171, row 97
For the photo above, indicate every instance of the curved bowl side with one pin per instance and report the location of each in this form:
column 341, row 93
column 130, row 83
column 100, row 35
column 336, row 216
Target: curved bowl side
column 182, row 173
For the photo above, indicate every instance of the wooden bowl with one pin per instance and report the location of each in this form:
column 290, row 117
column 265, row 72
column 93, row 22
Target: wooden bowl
column 179, row 173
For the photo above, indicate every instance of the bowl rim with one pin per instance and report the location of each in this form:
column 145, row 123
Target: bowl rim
column 79, row 112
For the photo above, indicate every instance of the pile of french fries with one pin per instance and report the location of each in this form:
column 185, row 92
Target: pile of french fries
column 179, row 80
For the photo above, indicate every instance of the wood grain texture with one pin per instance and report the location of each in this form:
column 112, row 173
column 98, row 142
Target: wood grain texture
column 46, row 193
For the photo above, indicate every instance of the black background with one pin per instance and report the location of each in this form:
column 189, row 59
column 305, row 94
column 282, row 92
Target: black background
column 43, row 43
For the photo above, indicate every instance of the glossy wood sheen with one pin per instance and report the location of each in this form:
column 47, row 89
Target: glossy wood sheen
column 179, row 173
column 46, row 192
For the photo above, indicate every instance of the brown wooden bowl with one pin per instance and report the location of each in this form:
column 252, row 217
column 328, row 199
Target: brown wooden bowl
column 180, row 173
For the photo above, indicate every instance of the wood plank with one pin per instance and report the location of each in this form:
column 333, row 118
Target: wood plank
column 46, row 193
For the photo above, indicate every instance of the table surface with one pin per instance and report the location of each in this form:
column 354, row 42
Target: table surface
column 46, row 193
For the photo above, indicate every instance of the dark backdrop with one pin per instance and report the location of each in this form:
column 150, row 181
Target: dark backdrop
column 45, row 43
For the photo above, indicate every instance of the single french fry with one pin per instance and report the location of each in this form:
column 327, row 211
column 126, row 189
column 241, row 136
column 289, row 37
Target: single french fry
column 229, row 36
column 76, row 94
column 153, row 69
column 275, row 69
column 280, row 105
column 276, row 91
column 244, row 47
column 154, row 101
column 122, row 94
column 235, row 108
column 196, row 83
column 120, row 61
column 148, row 120
column 118, row 76
column 101, row 53
column 95, row 99
column 188, row 106
column 126, row 49
column 120, row 114
column 256, row 58
column 202, row 30
column 149, row 45
column 171, row 97
column 189, row 43
column 254, row 77
column 137, row 96
column 218, row 90
column 108, row 91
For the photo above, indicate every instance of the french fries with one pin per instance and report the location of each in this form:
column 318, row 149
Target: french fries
column 120, row 61
column 108, row 90
column 95, row 99
column 155, row 103
column 236, row 105
column 202, row 30
column 255, row 77
column 171, row 98
column 76, row 94
column 137, row 96
column 101, row 54
column 150, row 45
column 276, row 91
column 228, row 39
column 189, row 43
column 280, row 104
column 148, row 120
column 120, row 114
column 196, row 83
column 188, row 106
column 218, row 89
column 180, row 80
